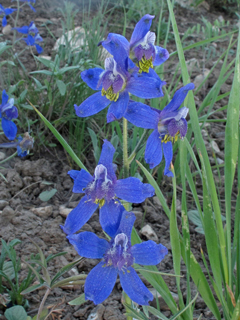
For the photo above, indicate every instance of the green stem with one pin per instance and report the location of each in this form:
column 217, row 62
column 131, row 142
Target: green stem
column 42, row 303
column 12, row 156
column 15, row 23
column 125, row 149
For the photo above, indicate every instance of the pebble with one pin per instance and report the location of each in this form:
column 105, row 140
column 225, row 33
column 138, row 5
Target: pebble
column 2, row 156
column 148, row 232
column 3, row 204
column 7, row 30
column 43, row 212
column 214, row 146
column 64, row 212
column 97, row 313
column 162, row 302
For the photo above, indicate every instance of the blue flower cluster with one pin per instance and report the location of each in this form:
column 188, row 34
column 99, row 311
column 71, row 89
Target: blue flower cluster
column 130, row 71
column 33, row 37
column 5, row 13
column 104, row 190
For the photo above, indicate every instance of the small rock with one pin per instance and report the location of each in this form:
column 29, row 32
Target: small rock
column 64, row 212
column 157, row 202
column 46, row 57
column 200, row 78
column 2, row 156
column 214, row 146
column 139, row 216
column 74, row 38
column 148, row 232
column 178, row 205
column 43, row 212
column 7, row 30
column 63, row 262
column 3, row 204
column 7, row 215
column 80, row 313
column 162, row 303
column 97, row 313
column 219, row 161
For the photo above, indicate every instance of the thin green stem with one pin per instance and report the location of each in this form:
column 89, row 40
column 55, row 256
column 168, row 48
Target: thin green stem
column 42, row 303
column 125, row 149
column 15, row 23
column 12, row 156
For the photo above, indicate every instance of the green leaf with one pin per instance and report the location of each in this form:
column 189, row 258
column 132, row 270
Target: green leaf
column 64, row 270
column 78, row 301
column 8, row 269
column 46, row 62
column 47, row 195
column 61, row 87
column 61, row 140
column 16, row 313
column 80, row 279
column 157, row 189
column 231, row 150
column 43, row 315
column 33, row 288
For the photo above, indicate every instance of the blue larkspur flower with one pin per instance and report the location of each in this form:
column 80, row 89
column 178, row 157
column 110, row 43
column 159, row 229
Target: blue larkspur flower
column 103, row 190
column 168, row 125
column 117, row 256
column 23, row 145
column 8, row 112
column 31, row 29
column 33, row 41
column 114, row 85
column 141, row 46
column 5, row 12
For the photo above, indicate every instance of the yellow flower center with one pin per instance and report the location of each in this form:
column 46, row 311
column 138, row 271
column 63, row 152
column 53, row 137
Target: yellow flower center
column 100, row 202
column 145, row 64
column 168, row 138
column 110, row 95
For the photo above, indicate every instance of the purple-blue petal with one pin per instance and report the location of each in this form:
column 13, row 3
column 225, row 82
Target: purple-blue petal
column 4, row 21
column 126, row 224
column 89, row 245
column 38, row 48
column 118, row 47
column 133, row 190
column 4, row 98
column 106, row 159
column 161, row 56
column 134, row 287
column 100, row 282
column 11, row 113
column 9, row 11
column 141, row 29
column 148, row 253
column 168, row 155
column 110, row 216
column 23, row 29
column 174, row 126
column 79, row 215
column 177, row 99
column 9, row 129
column 153, row 152
column 92, row 105
column 91, row 77
column 81, row 179
column 142, row 115
column 146, row 85
column 117, row 109
column 33, row 9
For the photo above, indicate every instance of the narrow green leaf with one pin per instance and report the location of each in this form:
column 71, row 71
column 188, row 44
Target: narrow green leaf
column 33, row 288
column 60, row 139
column 78, row 301
column 65, row 269
column 80, row 279
column 157, row 189
column 231, row 150
column 47, row 195
column 200, row 142
column 61, row 87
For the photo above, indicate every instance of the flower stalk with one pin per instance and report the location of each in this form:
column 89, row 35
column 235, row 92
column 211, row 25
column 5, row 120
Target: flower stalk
column 125, row 149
